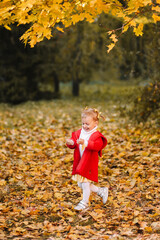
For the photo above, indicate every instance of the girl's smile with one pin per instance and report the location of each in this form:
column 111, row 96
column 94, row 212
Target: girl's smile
column 88, row 123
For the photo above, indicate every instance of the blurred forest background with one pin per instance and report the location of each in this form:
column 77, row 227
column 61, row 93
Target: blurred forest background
column 78, row 58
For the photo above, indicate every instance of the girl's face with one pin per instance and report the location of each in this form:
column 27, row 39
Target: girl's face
column 88, row 123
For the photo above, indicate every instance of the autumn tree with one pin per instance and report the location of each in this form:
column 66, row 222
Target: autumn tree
column 43, row 16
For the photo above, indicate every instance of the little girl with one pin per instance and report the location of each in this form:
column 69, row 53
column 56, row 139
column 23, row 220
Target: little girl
column 87, row 144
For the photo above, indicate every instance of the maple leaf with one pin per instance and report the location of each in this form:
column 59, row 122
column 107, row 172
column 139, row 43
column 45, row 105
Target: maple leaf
column 156, row 18
column 157, row 8
column 139, row 30
column 110, row 47
column 114, row 38
column 60, row 29
column 7, row 27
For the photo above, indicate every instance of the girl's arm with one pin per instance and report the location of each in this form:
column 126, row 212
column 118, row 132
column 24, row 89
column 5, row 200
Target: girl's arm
column 95, row 145
column 71, row 143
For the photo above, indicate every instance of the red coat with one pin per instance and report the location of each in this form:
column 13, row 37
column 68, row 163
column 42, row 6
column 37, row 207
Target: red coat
column 87, row 166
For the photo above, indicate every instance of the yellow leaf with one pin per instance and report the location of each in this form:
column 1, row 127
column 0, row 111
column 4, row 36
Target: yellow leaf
column 110, row 32
column 136, row 213
column 122, row 154
column 97, row 215
column 156, row 18
column 92, row 231
column 146, row 154
column 20, row 229
column 89, row 18
column 155, row 215
column 110, row 47
column 58, row 195
column 149, row 197
column 69, row 212
column 148, row 229
column 77, row 17
column 130, row 193
column 2, row 182
column 143, row 225
column 133, row 23
column 136, row 174
column 2, row 206
column 92, row 2
column 139, row 30
column 34, row 212
column 7, row 27
column 125, row 28
column 133, row 182
column 138, row 132
column 58, row 234
column 33, row 41
column 60, row 29
column 154, row 138
column 146, row 2
column 67, row 5
column 114, row 38
column 157, row 8
column 25, row 212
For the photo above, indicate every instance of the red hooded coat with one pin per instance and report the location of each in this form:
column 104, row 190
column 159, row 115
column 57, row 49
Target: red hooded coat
column 87, row 165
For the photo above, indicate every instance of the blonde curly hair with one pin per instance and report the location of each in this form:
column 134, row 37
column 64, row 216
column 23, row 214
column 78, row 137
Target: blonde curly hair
column 93, row 112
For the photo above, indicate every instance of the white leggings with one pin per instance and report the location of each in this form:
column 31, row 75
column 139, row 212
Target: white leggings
column 87, row 188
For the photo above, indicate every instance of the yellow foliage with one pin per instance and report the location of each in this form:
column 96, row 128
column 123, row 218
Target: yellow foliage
column 49, row 13
column 148, row 229
column 114, row 38
column 139, row 30
column 69, row 212
column 2, row 182
column 146, row 2
column 125, row 28
column 76, row 18
column 157, row 8
column 156, row 18
column 7, row 27
column 110, row 47
column 93, row 2
column 60, row 29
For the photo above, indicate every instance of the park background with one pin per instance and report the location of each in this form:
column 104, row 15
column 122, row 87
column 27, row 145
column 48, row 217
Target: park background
column 42, row 92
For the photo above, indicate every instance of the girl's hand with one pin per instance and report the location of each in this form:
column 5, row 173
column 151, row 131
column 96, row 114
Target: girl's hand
column 69, row 142
column 80, row 141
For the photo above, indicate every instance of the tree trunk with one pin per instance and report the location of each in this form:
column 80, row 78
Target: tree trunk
column 75, row 84
column 56, row 83
column 77, row 61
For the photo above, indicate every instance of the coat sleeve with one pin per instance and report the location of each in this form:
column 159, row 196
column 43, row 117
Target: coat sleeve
column 96, row 145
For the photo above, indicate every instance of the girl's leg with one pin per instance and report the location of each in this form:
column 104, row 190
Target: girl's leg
column 83, row 204
column 80, row 185
column 85, row 186
column 94, row 188
column 86, row 191
column 103, row 192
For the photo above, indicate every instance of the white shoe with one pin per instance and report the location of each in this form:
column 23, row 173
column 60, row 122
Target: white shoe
column 81, row 206
column 103, row 192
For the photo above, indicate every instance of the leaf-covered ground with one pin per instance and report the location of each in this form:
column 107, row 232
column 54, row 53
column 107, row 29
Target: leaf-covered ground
column 37, row 195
